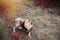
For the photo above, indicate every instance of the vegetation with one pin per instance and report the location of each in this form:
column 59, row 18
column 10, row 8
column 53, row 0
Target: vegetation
column 46, row 22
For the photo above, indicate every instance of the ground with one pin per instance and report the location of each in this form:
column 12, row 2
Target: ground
column 46, row 23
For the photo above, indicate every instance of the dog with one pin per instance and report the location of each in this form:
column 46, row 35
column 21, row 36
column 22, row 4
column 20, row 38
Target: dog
column 23, row 24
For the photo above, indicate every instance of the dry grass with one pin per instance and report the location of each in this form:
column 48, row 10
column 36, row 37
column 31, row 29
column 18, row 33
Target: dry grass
column 46, row 24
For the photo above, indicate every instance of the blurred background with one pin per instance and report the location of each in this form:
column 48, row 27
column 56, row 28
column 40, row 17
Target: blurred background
column 45, row 15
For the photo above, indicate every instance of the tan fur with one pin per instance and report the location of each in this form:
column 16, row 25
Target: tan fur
column 28, row 24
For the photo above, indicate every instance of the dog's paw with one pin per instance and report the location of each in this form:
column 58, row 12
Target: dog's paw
column 28, row 37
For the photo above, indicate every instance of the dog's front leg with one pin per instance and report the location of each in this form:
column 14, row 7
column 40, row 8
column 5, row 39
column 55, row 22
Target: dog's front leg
column 29, row 34
column 28, row 37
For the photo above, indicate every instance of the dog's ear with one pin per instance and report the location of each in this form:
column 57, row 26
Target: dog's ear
column 29, row 21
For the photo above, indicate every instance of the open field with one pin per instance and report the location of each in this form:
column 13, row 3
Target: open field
column 46, row 23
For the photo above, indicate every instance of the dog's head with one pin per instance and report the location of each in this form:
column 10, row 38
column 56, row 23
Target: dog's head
column 28, row 24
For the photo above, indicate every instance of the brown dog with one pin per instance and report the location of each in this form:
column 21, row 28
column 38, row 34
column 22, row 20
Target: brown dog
column 21, row 23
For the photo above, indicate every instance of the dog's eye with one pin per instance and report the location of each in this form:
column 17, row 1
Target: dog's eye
column 31, row 23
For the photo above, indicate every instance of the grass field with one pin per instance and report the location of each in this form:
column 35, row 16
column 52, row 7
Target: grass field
column 46, row 23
